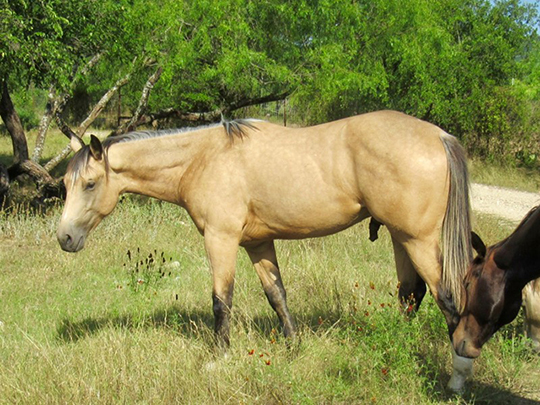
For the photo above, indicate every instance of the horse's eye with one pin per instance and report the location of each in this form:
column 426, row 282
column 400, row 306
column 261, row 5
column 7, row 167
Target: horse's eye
column 90, row 185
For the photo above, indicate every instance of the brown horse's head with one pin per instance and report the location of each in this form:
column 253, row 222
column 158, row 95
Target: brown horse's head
column 91, row 194
column 492, row 291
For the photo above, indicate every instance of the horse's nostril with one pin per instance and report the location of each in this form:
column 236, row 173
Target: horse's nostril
column 462, row 346
column 65, row 240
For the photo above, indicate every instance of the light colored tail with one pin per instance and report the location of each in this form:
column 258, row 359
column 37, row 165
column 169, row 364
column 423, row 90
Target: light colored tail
column 456, row 231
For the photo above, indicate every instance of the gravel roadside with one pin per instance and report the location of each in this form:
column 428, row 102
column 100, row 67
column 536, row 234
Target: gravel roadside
column 502, row 202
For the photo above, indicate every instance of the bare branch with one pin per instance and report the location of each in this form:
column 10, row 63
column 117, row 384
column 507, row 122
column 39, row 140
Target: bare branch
column 143, row 103
column 91, row 63
column 66, row 130
column 255, row 101
column 101, row 104
column 210, row 116
column 51, row 164
column 85, row 124
column 62, row 101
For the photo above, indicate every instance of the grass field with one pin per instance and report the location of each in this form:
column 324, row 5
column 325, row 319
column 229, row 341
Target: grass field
column 129, row 319
column 105, row 326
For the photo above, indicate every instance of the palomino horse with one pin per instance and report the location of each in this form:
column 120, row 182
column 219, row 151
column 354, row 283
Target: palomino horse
column 255, row 182
column 494, row 284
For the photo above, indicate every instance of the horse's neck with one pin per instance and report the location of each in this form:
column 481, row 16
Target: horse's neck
column 155, row 167
column 524, row 247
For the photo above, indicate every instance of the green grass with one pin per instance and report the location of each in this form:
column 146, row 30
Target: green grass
column 504, row 176
column 89, row 328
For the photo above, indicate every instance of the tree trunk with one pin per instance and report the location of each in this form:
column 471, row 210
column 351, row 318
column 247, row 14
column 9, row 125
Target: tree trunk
column 14, row 126
column 21, row 162
column 44, row 126
column 4, row 183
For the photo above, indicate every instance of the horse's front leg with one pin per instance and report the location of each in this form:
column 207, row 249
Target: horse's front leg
column 222, row 249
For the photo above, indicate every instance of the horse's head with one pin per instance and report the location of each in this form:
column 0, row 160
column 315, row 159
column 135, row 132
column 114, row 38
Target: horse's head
column 491, row 299
column 91, row 193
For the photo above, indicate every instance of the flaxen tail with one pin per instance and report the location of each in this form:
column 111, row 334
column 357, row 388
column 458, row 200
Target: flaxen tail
column 456, row 231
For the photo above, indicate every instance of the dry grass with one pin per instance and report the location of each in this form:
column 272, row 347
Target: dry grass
column 76, row 328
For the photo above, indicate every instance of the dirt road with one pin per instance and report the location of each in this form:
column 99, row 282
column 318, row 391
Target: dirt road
column 503, row 202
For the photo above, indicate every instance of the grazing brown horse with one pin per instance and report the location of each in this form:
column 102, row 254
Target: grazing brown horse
column 494, row 284
column 254, row 182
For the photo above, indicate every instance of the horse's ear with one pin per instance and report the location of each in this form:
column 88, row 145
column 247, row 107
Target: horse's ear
column 96, row 149
column 76, row 143
column 478, row 245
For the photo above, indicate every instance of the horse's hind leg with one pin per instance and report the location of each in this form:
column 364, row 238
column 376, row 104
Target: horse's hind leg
column 412, row 288
column 426, row 257
column 264, row 259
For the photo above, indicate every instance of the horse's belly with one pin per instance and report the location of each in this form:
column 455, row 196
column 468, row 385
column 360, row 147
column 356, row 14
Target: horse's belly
column 298, row 222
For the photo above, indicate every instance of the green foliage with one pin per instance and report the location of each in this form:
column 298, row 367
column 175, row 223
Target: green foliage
column 41, row 42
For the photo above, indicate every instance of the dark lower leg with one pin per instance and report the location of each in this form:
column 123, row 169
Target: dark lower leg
column 222, row 311
column 277, row 298
column 264, row 260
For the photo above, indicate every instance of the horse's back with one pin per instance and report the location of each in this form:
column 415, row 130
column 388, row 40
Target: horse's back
column 327, row 177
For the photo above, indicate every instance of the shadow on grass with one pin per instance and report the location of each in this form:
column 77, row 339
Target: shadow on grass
column 193, row 324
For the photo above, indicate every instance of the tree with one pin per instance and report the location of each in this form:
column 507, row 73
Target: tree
column 47, row 44
column 466, row 65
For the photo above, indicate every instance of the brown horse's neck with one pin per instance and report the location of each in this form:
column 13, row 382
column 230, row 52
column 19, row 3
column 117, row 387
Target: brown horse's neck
column 520, row 252
column 155, row 167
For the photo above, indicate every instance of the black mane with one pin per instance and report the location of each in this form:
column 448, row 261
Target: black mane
column 233, row 129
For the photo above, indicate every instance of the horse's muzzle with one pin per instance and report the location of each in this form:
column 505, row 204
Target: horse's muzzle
column 464, row 344
column 70, row 241
column 465, row 348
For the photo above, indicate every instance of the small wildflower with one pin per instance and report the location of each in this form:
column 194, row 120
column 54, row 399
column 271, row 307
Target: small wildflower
column 371, row 285
column 251, row 352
